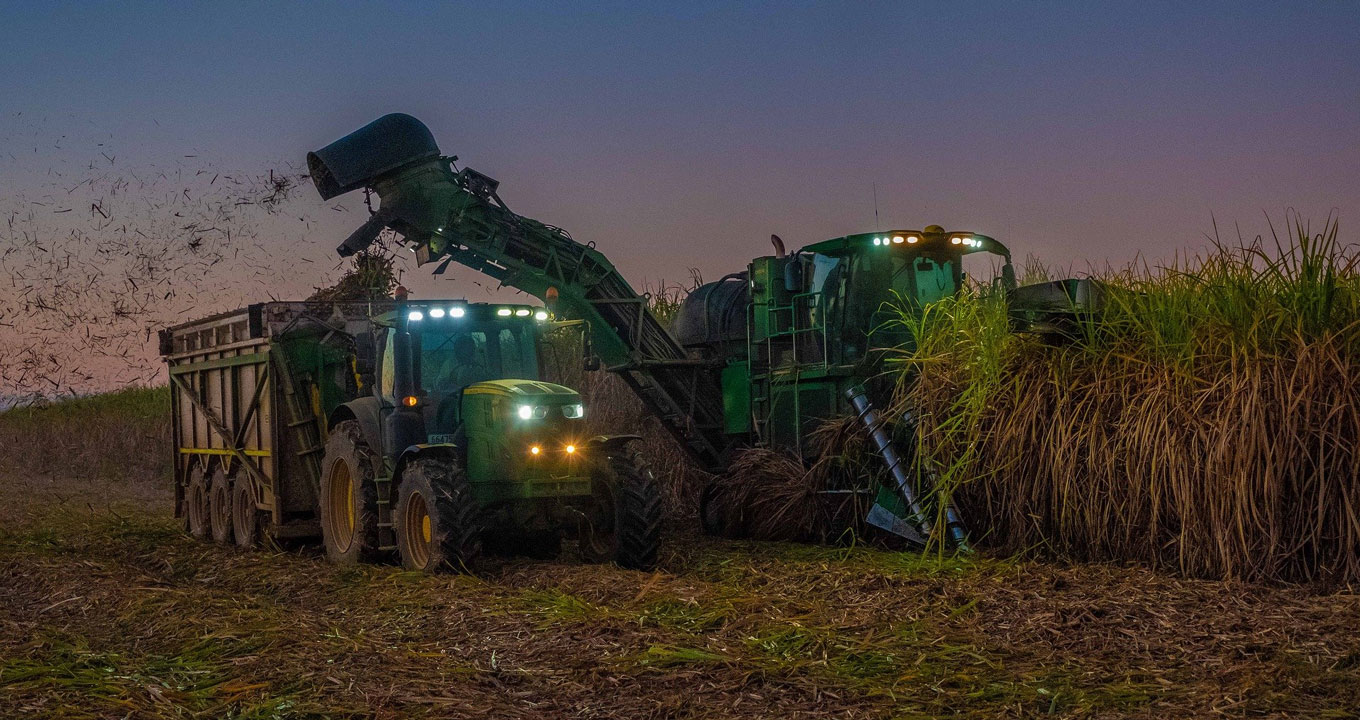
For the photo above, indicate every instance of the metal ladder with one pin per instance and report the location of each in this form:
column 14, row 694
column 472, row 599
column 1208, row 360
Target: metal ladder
column 301, row 421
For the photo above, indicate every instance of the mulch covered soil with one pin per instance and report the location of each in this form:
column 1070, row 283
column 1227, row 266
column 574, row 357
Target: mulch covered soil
column 107, row 611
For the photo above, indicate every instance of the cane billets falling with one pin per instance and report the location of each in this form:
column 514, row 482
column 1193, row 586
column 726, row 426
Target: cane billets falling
column 98, row 252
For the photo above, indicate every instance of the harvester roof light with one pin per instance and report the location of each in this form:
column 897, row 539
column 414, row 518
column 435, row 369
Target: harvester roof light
column 956, row 240
column 457, row 312
column 522, row 312
column 541, row 315
column 897, row 239
column 878, row 241
column 503, row 312
column 913, row 239
column 415, row 315
column 436, row 312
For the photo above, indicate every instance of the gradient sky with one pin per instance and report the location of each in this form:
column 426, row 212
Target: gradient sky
column 682, row 137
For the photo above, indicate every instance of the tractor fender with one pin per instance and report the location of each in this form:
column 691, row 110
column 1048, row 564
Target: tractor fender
column 419, row 451
column 367, row 411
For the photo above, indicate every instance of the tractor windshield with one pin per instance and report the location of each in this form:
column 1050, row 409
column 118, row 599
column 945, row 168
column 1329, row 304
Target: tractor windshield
column 453, row 358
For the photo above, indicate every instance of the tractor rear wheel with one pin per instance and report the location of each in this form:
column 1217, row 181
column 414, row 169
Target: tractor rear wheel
column 349, row 497
column 219, row 506
column 245, row 513
column 196, row 505
column 437, row 521
column 627, row 527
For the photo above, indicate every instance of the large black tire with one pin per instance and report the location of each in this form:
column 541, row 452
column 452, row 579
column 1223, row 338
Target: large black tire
column 437, row 521
column 245, row 514
column 349, row 497
column 219, row 507
column 196, row 505
column 627, row 527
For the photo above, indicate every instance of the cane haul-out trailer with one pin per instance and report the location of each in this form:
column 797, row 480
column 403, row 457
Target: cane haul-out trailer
column 422, row 429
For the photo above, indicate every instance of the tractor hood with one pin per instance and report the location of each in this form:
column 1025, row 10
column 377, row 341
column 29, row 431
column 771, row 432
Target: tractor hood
column 535, row 390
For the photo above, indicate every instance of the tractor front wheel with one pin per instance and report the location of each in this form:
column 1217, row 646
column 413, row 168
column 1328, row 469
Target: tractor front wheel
column 196, row 505
column 349, row 497
column 437, row 521
column 627, row 523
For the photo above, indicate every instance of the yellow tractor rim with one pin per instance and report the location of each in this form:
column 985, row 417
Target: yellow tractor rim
column 416, row 530
column 341, row 505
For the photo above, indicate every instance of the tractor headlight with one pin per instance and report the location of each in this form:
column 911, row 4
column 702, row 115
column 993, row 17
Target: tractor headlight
column 531, row 412
column 574, row 411
column 415, row 315
column 436, row 312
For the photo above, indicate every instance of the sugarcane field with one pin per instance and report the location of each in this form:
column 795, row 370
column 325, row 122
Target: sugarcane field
column 530, row 360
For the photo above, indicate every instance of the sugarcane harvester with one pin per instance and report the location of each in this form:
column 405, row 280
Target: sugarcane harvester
column 758, row 358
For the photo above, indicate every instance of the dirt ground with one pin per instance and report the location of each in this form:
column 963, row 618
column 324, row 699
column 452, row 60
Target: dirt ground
column 108, row 611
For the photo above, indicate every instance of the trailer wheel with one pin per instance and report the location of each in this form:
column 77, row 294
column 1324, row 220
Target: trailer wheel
column 196, row 505
column 245, row 513
column 437, row 520
column 349, row 497
column 627, row 524
column 219, row 506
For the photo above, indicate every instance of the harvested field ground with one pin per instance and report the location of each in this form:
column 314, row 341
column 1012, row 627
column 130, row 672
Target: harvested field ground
column 107, row 611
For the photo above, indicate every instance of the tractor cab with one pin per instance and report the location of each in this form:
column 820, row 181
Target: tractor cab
column 467, row 375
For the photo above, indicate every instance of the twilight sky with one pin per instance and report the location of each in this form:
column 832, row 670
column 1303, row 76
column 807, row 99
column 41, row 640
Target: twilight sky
column 1082, row 133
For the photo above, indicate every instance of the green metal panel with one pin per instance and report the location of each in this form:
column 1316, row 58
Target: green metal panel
column 736, row 385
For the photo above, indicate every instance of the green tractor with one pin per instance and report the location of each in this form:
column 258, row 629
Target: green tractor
column 458, row 447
